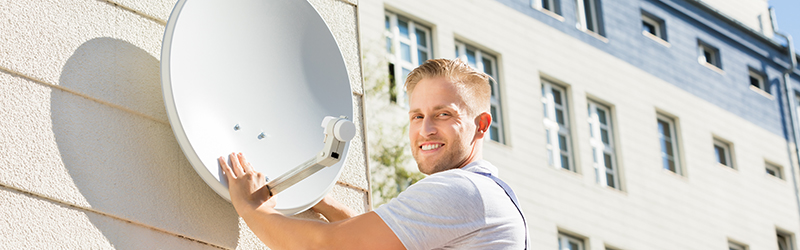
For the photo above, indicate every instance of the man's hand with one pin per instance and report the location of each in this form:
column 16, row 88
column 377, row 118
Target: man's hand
column 247, row 187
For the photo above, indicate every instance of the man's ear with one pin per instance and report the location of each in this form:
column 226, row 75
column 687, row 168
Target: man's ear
column 483, row 123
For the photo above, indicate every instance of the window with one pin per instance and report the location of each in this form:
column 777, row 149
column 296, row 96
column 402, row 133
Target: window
column 774, row 170
column 408, row 44
column 568, row 242
column 736, row 246
column 757, row 80
column 487, row 63
column 708, row 55
column 722, row 153
column 669, row 143
column 784, row 241
column 653, row 26
column 602, row 141
column 589, row 15
column 557, row 126
column 549, row 5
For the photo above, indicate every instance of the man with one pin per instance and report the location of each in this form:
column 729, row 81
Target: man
column 461, row 205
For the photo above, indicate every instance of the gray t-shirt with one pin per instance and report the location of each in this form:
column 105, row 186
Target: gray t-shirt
column 455, row 209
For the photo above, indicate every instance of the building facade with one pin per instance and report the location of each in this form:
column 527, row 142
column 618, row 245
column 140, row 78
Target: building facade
column 626, row 124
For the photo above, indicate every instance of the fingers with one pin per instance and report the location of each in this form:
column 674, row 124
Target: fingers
column 237, row 167
column 226, row 169
column 245, row 165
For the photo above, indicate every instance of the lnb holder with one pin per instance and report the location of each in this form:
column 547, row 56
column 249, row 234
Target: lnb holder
column 338, row 130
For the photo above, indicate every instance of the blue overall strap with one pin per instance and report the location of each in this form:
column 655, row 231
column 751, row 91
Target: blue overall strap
column 513, row 197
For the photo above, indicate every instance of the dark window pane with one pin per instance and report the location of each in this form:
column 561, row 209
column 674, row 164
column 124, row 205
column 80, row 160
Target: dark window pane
column 422, row 39
column 562, row 142
column 601, row 115
column 772, row 172
column 610, row 180
column 604, row 136
column 720, row 153
column 557, row 97
column 668, row 148
column 573, row 246
column 403, row 27
column 392, row 89
column 546, row 5
column 565, row 162
column 487, row 67
column 755, row 82
column 649, row 28
column 607, row 161
column 560, row 116
column 494, row 134
column 387, row 23
column 587, row 6
column 708, row 55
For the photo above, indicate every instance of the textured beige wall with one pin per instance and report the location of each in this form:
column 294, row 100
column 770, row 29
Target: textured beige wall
column 87, row 155
column 657, row 209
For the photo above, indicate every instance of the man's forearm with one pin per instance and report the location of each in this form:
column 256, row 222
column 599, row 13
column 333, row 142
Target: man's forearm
column 333, row 210
column 280, row 232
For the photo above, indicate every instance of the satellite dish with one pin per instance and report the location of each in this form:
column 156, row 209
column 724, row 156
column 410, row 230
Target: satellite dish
column 256, row 77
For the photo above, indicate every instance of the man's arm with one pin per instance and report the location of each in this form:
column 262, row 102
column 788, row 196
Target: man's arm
column 252, row 202
column 333, row 210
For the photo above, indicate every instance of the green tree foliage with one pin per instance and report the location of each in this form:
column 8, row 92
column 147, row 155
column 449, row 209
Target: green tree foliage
column 390, row 161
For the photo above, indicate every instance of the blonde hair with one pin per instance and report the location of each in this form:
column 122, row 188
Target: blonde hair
column 471, row 83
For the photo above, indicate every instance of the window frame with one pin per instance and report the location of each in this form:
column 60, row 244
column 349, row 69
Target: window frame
column 777, row 169
column 554, row 130
column 727, row 156
column 495, row 100
column 394, row 57
column 565, row 239
column 716, row 57
column 659, row 26
column 673, row 139
column 788, row 240
column 555, row 6
column 760, row 78
column 601, row 148
column 593, row 16
column 736, row 246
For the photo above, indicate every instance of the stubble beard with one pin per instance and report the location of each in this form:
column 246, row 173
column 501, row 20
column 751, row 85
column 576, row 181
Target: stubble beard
column 450, row 160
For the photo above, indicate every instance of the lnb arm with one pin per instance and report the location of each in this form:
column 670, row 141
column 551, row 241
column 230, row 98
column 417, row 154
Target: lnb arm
column 338, row 130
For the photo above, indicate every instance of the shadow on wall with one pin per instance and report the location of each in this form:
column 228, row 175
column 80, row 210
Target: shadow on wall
column 124, row 164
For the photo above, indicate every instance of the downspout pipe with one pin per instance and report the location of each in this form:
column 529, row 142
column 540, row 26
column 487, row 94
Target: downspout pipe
column 787, row 92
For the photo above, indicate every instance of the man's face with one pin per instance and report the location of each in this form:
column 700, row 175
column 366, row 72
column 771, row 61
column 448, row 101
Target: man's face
column 441, row 131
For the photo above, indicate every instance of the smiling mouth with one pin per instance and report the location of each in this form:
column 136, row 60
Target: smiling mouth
column 427, row 147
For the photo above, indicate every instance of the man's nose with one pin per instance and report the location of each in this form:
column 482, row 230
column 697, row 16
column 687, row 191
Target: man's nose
column 428, row 127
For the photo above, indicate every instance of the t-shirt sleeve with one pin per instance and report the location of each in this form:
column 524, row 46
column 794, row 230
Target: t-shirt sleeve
column 434, row 211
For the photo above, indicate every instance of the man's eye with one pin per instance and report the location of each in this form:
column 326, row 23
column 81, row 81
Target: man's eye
column 416, row 117
column 444, row 114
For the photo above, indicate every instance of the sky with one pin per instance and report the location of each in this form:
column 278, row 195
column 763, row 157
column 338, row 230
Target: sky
column 787, row 13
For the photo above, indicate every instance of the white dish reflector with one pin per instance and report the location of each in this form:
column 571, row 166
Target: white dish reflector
column 258, row 77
